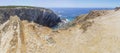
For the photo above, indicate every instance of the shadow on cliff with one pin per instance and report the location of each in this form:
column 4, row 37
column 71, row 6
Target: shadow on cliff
column 42, row 16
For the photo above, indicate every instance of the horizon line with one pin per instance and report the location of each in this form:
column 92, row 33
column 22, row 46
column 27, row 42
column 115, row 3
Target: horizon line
column 57, row 7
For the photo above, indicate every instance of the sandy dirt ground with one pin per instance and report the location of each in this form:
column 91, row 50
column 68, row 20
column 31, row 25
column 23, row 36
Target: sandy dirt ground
column 103, row 36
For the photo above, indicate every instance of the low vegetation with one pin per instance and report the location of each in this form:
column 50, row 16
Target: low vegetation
column 16, row 6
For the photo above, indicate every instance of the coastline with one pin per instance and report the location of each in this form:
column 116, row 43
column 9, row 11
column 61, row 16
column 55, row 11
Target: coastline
column 100, row 34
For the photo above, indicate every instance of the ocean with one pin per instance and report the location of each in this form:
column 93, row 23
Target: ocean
column 72, row 13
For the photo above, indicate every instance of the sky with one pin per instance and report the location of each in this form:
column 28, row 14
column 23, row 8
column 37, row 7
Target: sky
column 63, row 3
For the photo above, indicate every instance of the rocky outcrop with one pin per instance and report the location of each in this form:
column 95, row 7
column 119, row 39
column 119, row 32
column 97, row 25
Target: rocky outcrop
column 18, row 36
column 117, row 8
column 86, row 19
column 22, row 36
column 38, row 15
column 93, row 14
column 97, row 13
column 103, row 36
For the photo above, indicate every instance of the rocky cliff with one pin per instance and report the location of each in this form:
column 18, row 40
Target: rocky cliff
column 86, row 20
column 101, row 36
column 42, row 16
column 93, row 14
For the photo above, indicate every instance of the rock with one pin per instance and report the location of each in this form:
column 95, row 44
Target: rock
column 96, row 13
column 21, row 36
column 42, row 16
column 86, row 20
column 79, row 19
column 117, row 8
column 92, row 15
column 63, row 22
column 18, row 36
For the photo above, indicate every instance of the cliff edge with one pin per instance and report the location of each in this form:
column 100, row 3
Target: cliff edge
column 42, row 16
column 101, row 36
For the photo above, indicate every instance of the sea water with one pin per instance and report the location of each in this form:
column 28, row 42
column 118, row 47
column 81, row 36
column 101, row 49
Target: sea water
column 72, row 13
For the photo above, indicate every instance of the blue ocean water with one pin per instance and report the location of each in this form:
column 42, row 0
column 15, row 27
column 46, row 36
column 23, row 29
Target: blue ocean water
column 72, row 13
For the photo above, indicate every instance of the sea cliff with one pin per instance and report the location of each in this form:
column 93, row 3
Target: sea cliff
column 42, row 16
column 100, row 34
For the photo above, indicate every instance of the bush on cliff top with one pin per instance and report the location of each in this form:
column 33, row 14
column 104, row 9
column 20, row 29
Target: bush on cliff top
column 16, row 6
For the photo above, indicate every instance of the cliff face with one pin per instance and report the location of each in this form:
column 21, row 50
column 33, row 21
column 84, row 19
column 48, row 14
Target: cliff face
column 41, row 16
column 102, row 36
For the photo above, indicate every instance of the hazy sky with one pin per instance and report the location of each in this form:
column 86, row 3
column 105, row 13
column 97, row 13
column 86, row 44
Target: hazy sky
column 62, row 3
